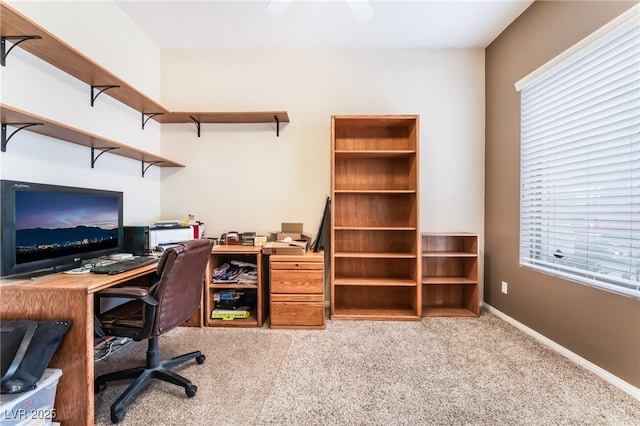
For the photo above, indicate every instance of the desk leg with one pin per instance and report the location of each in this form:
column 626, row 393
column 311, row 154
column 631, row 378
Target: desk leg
column 74, row 394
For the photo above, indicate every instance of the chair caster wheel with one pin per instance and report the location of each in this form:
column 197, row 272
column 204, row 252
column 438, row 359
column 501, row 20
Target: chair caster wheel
column 191, row 390
column 200, row 359
column 99, row 387
column 117, row 415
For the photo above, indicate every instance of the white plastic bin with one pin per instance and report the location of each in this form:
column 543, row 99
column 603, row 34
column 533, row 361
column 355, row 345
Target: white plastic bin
column 34, row 407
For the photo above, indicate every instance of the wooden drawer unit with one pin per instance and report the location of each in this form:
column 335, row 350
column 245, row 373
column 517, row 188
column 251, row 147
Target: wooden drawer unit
column 297, row 291
column 293, row 311
column 296, row 277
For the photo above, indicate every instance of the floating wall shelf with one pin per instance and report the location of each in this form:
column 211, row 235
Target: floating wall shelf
column 197, row 118
column 56, row 52
column 18, row 29
column 21, row 120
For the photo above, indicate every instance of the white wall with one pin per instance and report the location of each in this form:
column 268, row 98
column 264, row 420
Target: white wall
column 102, row 32
column 244, row 178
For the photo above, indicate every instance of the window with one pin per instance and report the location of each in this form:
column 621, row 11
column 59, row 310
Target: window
column 580, row 161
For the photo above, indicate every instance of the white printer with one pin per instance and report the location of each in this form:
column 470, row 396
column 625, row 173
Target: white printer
column 165, row 236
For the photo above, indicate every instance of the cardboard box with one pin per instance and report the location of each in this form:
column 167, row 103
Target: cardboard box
column 298, row 247
column 290, row 230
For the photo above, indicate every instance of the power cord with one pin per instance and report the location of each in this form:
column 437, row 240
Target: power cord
column 111, row 347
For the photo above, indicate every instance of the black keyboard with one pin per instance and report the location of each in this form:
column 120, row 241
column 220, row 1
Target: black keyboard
column 124, row 265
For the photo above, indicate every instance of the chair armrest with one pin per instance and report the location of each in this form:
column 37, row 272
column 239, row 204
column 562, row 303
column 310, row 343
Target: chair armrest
column 149, row 311
column 139, row 293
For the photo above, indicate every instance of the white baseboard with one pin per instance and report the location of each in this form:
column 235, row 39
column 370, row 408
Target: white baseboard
column 604, row 374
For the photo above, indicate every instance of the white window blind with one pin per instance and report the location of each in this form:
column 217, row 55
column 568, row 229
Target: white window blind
column 580, row 162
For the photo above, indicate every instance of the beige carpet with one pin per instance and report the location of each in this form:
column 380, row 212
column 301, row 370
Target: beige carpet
column 438, row 371
column 232, row 383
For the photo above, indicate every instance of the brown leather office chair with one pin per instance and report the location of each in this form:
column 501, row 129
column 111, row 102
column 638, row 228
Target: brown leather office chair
column 154, row 311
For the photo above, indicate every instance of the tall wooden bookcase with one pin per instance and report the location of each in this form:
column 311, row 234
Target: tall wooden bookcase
column 375, row 257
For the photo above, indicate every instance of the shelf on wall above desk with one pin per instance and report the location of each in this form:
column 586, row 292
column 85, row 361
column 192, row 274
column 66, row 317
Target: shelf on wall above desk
column 225, row 117
column 198, row 118
column 20, row 30
column 16, row 118
column 56, row 52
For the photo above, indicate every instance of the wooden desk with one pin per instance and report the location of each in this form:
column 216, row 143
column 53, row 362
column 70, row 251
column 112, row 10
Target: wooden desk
column 66, row 296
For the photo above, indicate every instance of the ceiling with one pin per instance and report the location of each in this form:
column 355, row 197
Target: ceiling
column 328, row 23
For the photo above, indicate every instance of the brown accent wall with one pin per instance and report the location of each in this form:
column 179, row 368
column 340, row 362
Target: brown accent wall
column 599, row 326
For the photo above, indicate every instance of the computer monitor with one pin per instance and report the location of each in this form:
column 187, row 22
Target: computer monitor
column 53, row 228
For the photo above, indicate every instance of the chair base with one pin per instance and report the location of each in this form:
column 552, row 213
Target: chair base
column 143, row 375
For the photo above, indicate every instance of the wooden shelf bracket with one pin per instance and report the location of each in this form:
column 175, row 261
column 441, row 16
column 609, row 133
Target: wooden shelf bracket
column 146, row 116
column 20, row 126
column 149, row 164
column 102, row 89
column 3, row 45
column 103, row 150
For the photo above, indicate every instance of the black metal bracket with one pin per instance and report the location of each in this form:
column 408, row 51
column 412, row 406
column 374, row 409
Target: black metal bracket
column 146, row 116
column 277, row 126
column 20, row 126
column 197, row 123
column 102, row 89
column 3, row 45
column 94, row 157
column 149, row 164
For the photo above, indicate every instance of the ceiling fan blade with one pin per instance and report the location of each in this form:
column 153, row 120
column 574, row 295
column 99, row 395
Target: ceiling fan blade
column 278, row 7
column 361, row 9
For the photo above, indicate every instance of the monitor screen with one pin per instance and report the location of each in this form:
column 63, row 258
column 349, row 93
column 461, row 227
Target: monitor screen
column 49, row 226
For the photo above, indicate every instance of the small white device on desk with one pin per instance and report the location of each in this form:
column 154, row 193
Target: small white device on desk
column 164, row 237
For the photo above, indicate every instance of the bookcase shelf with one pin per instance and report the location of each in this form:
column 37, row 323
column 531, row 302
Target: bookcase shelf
column 257, row 293
column 372, row 281
column 371, row 255
column 450, row 274
column 374, row 217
